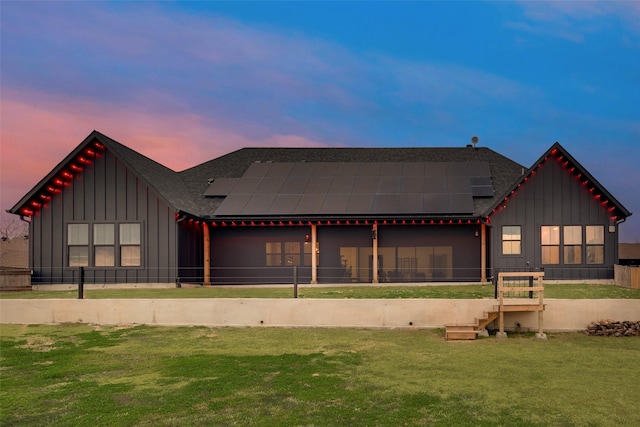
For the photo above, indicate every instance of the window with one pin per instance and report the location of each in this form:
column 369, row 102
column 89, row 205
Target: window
column 103, row 245
column 594, row 236
column 292, row 253
column 78, row 245
column 572, row 235
column 130, row 245
column 511, row 240
column 308, row 253
column 274, row 254
column 550, row 240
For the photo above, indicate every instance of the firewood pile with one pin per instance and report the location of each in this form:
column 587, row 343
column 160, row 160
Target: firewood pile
column 614, row 328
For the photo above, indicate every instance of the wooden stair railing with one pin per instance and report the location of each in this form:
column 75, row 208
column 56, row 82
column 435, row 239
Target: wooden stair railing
column 470, row 331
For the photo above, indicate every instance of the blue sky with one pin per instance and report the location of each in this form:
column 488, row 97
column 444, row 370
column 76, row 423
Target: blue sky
column 183, row 82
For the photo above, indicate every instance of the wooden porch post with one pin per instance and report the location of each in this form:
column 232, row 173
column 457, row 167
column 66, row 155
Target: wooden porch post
column 207, row 254
column 314, row 255
column 483, row 253
column 374, row 239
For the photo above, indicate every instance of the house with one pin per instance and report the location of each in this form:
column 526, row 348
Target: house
column 629, row 254
column 353, row 215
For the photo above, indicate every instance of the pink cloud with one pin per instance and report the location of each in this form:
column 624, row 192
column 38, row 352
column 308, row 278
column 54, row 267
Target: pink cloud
column 38, row 131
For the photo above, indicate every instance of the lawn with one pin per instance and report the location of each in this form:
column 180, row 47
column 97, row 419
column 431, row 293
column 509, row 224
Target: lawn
column 568, row 291
column 69, row 375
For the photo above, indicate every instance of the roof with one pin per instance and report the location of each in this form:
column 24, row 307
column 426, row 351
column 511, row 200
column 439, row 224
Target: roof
column 629, row 251
column 234, row 165
column 185, row 191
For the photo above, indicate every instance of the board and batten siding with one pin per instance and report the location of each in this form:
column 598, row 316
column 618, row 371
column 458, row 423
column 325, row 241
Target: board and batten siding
column 105, row 191
column 553, row 197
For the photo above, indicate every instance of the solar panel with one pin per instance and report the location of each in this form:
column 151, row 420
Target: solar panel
column 360, row 204
column 247, row 185
column 309, row 203
column 364, row 183
column 294, row 185
column 258, row 169
column 233, row 204
column 389, row 184
column 335, row 204
column 354, row 188
column 221, row 187
column 412, row 184
column 386, row 203
column 460, row 203
column 284, row 204
column 342, row 184
column 411, row 202
column 318, row 185
column 270, row 185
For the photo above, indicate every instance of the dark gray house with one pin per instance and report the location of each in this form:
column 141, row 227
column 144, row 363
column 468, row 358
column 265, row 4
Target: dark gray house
column 361, row 215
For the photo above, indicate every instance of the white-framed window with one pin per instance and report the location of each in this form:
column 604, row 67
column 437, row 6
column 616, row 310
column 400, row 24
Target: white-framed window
column 511, row 240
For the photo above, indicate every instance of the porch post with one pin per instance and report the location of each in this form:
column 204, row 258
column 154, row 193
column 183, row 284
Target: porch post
column 483, row 253
column 374, row 239
column 314, row 255
column 207, row 254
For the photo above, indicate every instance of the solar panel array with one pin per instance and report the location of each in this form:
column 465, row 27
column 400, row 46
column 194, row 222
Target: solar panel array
column 332, row 188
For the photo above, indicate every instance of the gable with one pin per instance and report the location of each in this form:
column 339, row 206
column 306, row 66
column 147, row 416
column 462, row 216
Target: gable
column 575, row 180
column 161, row 180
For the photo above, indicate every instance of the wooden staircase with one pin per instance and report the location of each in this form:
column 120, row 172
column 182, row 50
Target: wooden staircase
column 470, row 331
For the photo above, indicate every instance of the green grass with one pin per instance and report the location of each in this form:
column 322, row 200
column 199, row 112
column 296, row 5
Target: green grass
column 71, row 375
column 568, row 291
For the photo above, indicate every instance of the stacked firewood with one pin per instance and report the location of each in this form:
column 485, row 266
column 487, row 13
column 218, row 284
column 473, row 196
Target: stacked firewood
column 614, row 328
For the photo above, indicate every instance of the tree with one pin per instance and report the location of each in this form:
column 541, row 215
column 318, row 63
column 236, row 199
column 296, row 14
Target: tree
column 11, row 227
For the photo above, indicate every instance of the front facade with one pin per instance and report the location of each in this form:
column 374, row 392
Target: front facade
column 338, row 215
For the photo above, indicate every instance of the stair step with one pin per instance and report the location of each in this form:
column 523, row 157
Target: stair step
column 519, row 307
column 461, row 331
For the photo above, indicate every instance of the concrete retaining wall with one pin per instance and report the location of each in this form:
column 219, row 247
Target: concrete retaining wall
column 560, row 314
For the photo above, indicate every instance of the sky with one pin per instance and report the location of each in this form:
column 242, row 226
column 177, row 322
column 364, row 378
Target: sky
column 185, row 82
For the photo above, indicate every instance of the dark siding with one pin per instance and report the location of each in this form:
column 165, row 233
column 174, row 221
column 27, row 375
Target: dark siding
column 105, row 191
column 191, row 254
column 551, row 196
column 238, row 254
column 464, row 244
column 331, row 239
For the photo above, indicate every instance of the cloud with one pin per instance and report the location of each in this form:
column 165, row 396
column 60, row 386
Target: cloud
column 39, row 130
column 575, row 20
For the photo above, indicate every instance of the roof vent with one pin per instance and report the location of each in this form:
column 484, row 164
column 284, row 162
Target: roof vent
column 210, row 181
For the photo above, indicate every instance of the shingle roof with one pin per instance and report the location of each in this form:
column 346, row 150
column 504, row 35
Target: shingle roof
column 504, row 172
column 164, row 180
column 184, row 190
